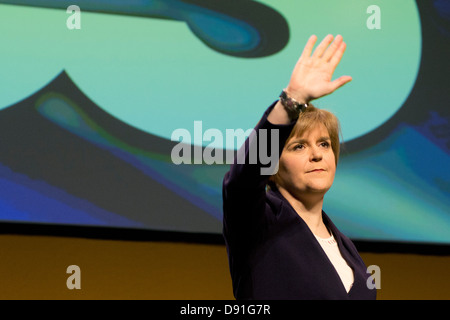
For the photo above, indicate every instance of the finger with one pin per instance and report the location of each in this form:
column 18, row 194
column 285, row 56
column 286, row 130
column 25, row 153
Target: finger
column 309, row 47
column 339, row 82
column 322, row 46
column 336, row 58
column 332, row 48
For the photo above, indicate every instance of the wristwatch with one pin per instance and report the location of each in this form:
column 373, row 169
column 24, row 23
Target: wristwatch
column 292, row 106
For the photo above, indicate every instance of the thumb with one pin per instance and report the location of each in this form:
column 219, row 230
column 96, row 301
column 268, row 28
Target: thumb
column 339, row 82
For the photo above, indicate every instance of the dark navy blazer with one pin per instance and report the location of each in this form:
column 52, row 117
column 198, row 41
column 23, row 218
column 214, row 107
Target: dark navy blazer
column 272, row 252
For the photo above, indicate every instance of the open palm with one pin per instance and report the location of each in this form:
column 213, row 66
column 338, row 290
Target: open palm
column 312, row 75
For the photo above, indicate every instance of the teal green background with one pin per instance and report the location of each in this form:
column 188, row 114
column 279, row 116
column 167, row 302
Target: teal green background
column 147, row 71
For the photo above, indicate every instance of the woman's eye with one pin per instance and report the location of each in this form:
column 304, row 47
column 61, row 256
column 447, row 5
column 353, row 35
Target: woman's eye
column 298, row 146
column 325, row 144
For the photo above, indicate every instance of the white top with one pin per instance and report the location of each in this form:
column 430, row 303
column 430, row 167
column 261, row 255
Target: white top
column 331, row 248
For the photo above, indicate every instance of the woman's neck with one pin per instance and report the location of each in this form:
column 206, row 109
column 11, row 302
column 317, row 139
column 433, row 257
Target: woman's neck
column 309, row 208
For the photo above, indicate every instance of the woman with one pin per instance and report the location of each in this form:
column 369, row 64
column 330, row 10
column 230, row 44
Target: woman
column 280, row 243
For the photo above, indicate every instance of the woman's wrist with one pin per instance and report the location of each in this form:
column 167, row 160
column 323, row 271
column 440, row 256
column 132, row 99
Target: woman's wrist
column 298, row 94
column 279, row 115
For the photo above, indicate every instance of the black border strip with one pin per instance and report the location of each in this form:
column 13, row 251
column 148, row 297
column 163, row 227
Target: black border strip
column 431, row 249
column 132, row 234
column 107, row 233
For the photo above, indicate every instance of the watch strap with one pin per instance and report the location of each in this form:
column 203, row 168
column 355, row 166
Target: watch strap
column 292, row 106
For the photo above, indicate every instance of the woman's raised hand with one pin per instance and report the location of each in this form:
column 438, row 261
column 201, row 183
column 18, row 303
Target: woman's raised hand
column 312, row 75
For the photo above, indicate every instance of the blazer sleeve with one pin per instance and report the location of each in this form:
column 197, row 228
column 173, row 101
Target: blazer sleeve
column 244, row 185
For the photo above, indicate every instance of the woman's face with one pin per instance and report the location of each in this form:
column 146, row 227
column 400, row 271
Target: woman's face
column 307, row 163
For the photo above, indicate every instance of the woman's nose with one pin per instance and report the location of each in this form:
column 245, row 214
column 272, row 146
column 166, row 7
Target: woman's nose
column 316, row 154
